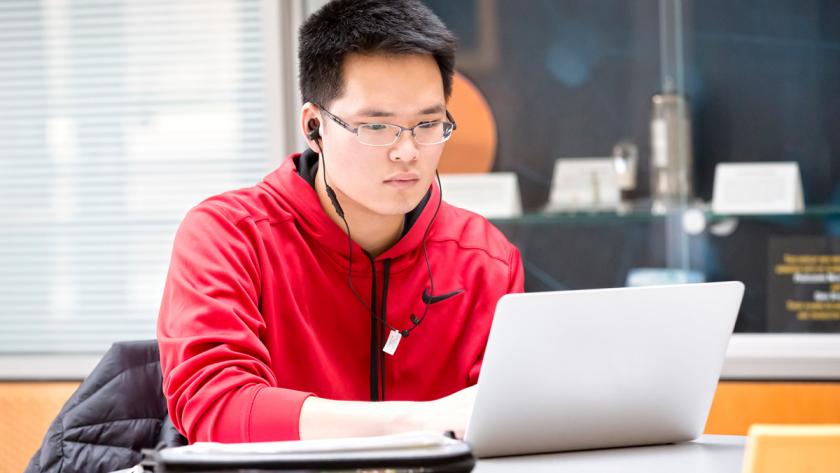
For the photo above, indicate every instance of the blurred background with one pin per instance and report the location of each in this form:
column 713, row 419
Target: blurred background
column 118, row 116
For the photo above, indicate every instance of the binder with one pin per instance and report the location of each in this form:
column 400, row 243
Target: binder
column 415, row 451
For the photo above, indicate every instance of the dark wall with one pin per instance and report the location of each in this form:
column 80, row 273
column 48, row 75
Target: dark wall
column 573, row 77
column 764, row 78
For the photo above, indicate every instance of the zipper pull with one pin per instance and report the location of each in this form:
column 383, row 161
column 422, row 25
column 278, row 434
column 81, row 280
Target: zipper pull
column 393, row 342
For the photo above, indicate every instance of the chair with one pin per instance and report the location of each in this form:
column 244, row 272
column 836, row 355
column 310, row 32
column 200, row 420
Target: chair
column 792, row 448
column 117, row 411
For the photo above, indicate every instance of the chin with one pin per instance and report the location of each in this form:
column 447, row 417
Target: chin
column 395, row 205
column 392, row 209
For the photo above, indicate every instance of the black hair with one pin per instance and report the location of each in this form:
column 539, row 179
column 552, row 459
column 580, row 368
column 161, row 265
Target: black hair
column 368, row 26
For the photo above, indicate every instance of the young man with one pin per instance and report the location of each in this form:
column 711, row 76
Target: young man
column 342, row 278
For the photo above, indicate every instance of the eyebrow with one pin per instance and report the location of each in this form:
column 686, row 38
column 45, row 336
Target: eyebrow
column 374, row 112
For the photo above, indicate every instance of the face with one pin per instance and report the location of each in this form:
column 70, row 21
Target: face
column 402, row 90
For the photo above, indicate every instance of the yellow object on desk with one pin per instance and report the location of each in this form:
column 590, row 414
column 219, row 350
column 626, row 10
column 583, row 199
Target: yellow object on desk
column 792, row 448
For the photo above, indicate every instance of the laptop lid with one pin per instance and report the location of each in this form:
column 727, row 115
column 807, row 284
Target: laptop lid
column 601, row 368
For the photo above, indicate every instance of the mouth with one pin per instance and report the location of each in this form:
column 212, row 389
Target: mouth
column 403, row 180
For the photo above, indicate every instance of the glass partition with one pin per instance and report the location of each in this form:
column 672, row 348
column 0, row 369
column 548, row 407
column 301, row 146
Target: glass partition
column 686, row 85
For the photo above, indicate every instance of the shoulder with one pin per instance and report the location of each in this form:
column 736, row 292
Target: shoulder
column 470, row 231
column 253, row 204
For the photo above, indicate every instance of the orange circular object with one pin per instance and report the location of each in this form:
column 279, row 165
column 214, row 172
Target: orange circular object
column 472, row 148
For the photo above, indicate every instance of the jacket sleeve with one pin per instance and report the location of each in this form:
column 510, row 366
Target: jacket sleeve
column 516, row 279
column 515, row 284
column 217, row 375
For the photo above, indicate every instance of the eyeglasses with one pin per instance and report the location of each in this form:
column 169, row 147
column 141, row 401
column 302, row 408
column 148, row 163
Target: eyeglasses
column 385, row 134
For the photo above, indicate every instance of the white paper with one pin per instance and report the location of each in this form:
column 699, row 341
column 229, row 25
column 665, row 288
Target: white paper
column 408, row 440
column 492, row 195
column 583, row 184
column 757, row 188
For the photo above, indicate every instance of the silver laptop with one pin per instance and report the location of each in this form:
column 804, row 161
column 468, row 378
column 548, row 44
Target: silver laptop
column 601, row 368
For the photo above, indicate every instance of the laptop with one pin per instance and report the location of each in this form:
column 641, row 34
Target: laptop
column 576, row 370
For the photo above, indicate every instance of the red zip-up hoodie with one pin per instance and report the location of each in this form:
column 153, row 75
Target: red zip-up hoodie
column 257, row 314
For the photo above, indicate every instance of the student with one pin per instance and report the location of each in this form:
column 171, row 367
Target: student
column 342, row 278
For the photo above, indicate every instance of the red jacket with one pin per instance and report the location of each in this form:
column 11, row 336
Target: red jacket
column 257, row 313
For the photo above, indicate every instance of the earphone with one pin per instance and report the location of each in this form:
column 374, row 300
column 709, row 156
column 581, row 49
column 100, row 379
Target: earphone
column 315, row 135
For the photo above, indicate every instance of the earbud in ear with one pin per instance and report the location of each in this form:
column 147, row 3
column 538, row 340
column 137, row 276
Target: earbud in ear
column 313, row 133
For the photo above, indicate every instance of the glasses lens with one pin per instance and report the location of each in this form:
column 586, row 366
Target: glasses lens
column 429, row 133
column 378, row 134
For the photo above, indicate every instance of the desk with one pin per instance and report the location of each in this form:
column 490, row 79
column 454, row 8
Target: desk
column 708, row 454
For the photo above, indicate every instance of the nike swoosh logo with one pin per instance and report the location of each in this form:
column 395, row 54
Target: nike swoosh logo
column 430, row 299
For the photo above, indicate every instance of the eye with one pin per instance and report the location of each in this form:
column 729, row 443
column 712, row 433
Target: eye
column 376, row 126
column 425, row 125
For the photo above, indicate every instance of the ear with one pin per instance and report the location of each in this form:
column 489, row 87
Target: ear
column 309, row 118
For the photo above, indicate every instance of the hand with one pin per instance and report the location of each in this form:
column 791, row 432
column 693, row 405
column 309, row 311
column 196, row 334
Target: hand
column 448, row 413
column 326, row 418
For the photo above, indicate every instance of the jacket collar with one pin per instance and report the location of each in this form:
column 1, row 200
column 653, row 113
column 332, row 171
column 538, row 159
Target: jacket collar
column 296, row 196
column 307, row 167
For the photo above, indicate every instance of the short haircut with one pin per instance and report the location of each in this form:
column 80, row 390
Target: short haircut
column 391, row 27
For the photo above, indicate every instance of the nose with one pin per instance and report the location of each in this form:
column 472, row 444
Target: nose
column 405, row 149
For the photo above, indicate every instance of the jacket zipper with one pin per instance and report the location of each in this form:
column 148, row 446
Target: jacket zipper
column 378, row 331
column 386, row 273
column 374, row 336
